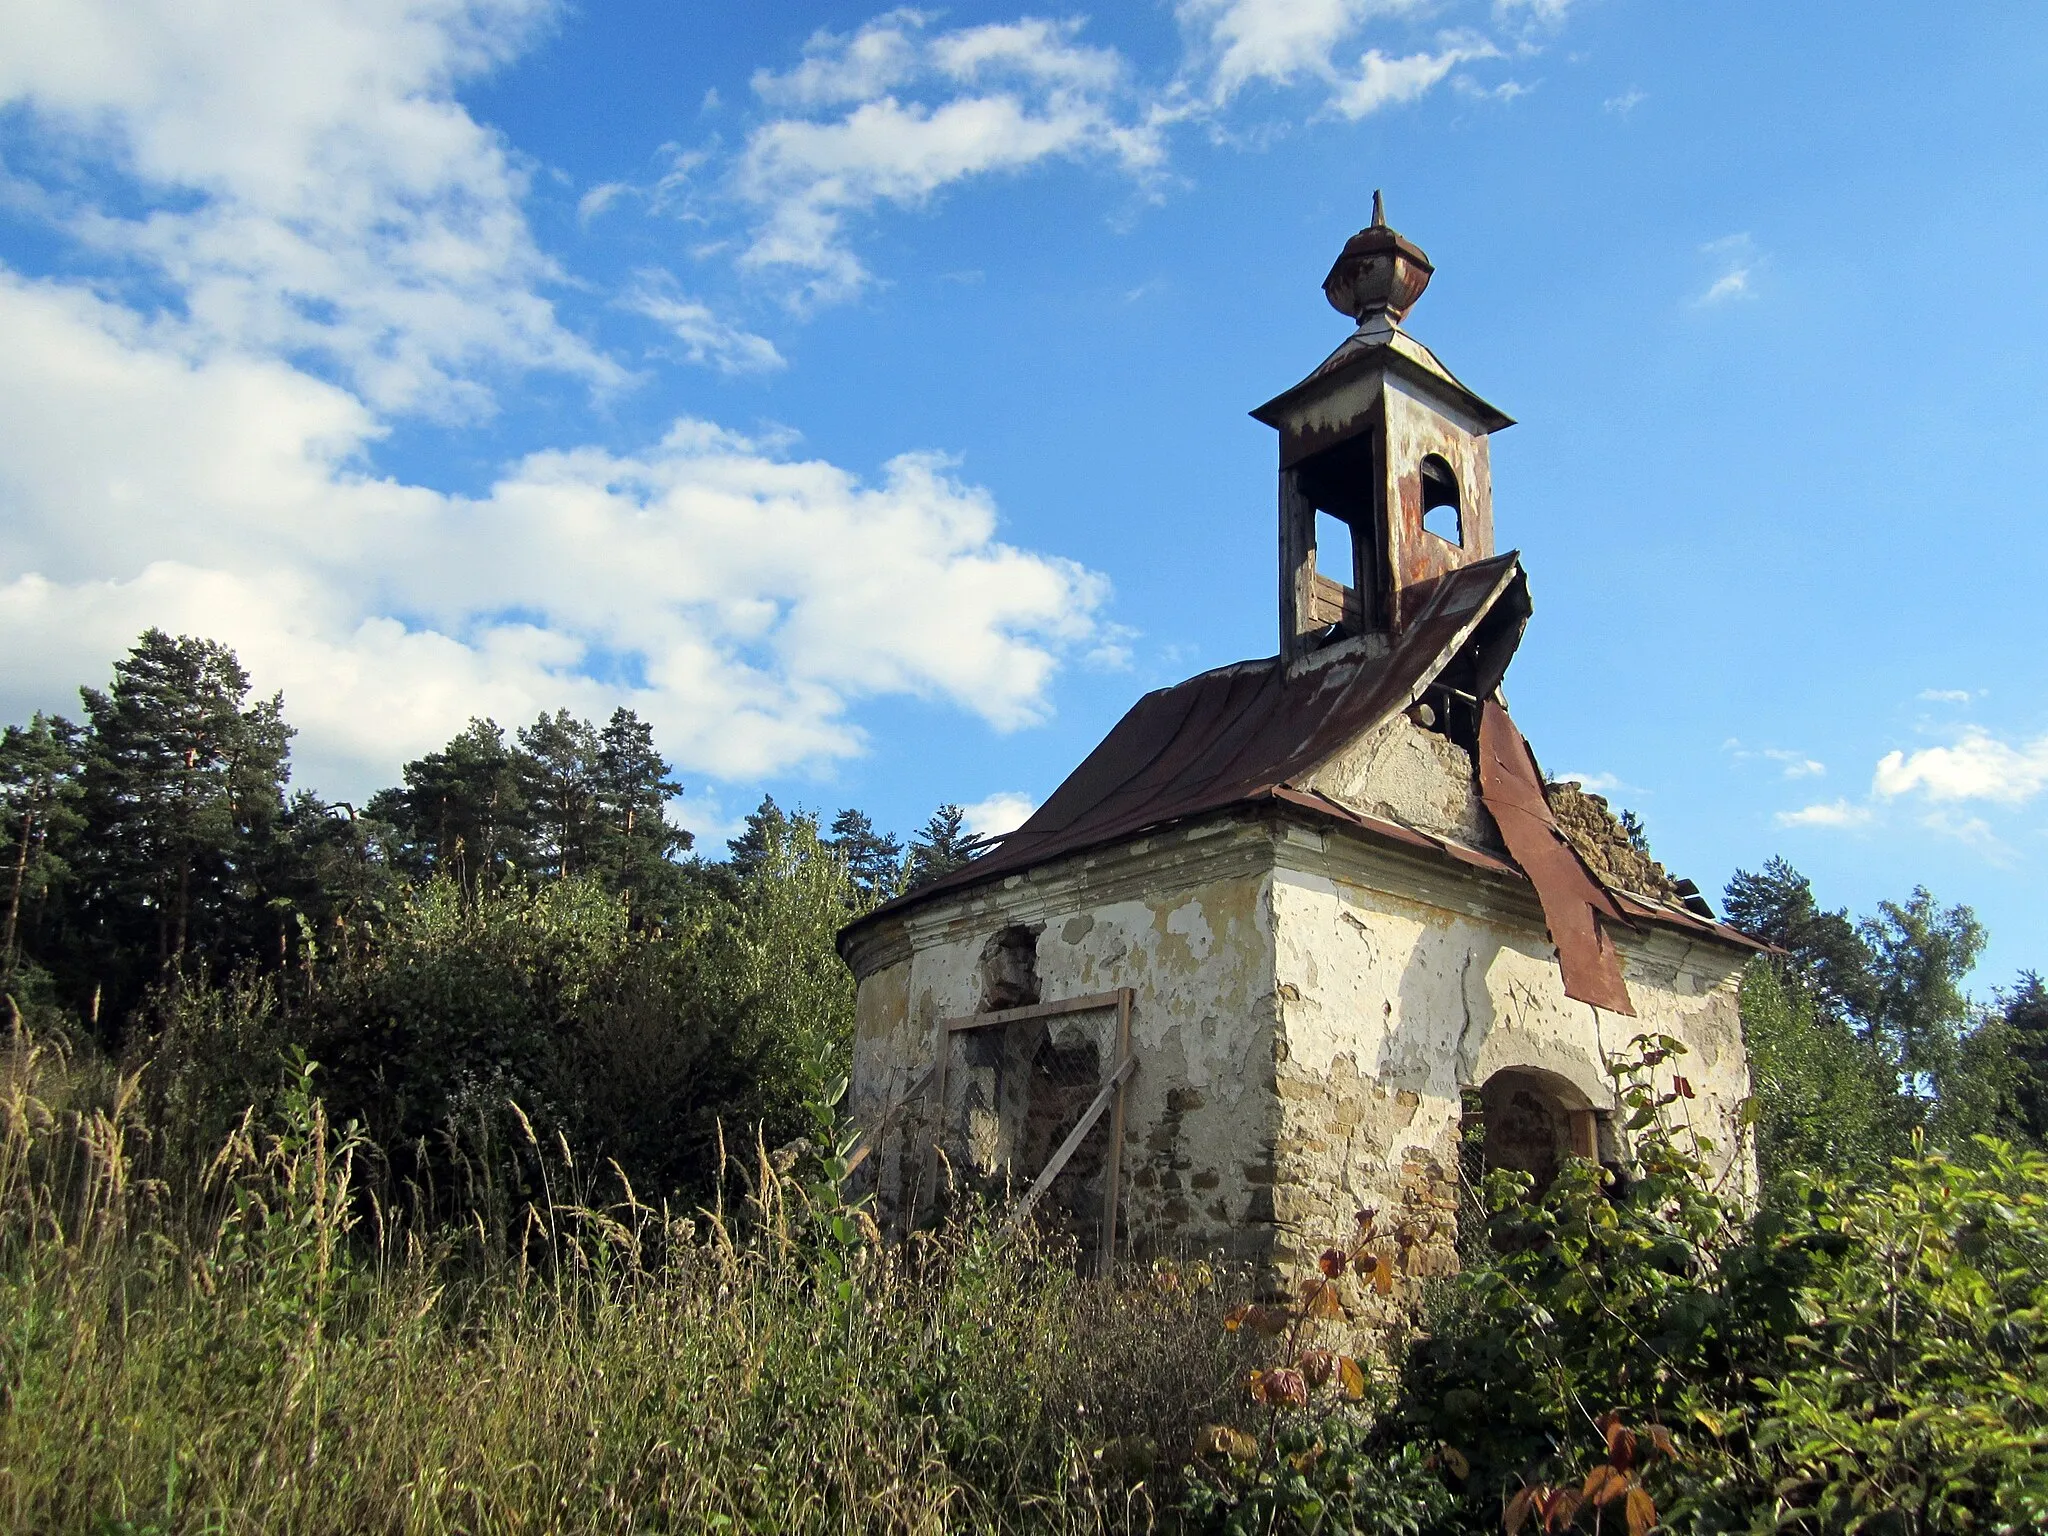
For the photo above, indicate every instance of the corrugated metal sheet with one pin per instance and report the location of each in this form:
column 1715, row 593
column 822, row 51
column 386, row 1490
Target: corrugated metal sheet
column 1574, row 901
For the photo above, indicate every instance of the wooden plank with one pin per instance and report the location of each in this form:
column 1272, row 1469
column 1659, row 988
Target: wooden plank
column 1112, row 1175
column 873, row 1134
column 942, row 1048
column 1071, row 1145
column 1032, row 1011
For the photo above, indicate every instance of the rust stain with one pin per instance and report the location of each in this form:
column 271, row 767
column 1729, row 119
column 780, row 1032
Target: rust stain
column 1574, row 902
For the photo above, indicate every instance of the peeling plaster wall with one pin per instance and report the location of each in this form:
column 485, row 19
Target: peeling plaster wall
column 1402, row 773
column 1185, row 920
column 1401, row 983
column 1309, row 1005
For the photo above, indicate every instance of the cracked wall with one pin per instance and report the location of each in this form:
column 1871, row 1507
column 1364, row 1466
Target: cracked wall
column 1309, row 1005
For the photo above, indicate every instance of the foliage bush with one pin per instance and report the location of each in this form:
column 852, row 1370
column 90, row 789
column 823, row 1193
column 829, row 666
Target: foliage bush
column 631, row 1041
column 1855, row 1357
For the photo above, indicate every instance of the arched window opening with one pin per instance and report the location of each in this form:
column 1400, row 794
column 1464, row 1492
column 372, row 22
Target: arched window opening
column 1531, row 1121
column 1442, row 512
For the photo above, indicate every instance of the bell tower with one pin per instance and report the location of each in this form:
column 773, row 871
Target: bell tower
column 1381, row 449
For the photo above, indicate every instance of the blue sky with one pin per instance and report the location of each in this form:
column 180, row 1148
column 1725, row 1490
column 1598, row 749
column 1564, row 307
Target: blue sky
column 860, row 395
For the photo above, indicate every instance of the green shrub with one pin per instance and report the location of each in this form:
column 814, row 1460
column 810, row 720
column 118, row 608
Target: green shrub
column 1855, row 1357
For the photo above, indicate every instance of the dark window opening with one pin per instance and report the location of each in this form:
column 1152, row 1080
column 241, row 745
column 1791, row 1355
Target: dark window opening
column 1442, row 513
column 1338, row 483
column 1009, row 969
column 1531, row 1121
column 1333, row 549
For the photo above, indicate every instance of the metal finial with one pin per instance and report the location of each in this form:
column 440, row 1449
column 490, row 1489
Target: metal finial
column 1379, row 210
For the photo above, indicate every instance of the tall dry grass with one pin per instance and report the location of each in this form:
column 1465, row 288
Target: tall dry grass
column 271, row 1343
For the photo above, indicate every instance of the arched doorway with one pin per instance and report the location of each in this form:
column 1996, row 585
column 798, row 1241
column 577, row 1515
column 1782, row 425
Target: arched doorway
column 1532, row 1121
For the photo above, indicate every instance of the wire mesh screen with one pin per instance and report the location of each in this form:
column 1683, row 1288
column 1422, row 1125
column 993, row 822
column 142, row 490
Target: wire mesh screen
column 1013, row 1094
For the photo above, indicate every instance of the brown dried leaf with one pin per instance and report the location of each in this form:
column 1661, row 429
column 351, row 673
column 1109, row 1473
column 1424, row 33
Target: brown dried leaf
column 1605, row 1484
column 1642, row 1511
column 1383, row 1279
column 1222, row 1440
column 1268, row 1322
column 1285, row 1388
column 1236, row 1317
column 1307, row 1458
column 1661, row 1441
column 1621, row 1447
column 1366, row 1218
column 1351, row 1377
column 1365, row 1263
column 1561, row 1508
column 1319, row 1299
column 1456, row 1460
column 1331, row 1263
column 1684, row 1087
column 1518, row 1510
column 1316, row 1366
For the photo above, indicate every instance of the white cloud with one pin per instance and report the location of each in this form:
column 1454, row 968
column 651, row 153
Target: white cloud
column 1548, row 12
column 1002, row 812
column 598, row 199
column 1626, row 103
column 1977, row 767
column 1973, row 830
column 1736, row 260
column 989, row 99
column 1946, row 695
column 1796, row 765
column 1835, row 813
column 313, row 186
column 1275, row 41
column 1383, row 82
column 706, row 337
column 1283, row 42
column 882, row 55
column 741, row 599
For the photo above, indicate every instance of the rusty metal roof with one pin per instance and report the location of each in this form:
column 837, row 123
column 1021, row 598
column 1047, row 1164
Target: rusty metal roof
column 1242, row 735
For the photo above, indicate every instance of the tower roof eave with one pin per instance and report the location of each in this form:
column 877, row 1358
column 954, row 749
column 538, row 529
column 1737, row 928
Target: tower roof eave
column 1380, row 344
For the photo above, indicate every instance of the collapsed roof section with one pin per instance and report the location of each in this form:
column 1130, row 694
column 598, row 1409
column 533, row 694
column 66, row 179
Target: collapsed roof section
column 1254, row 732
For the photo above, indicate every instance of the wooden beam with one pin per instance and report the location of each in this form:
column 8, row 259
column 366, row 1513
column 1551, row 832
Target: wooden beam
column 873, row 1134
column 942, row 1048
column 1112, row 1175
column 1033, row 1011
column 1071, row 1145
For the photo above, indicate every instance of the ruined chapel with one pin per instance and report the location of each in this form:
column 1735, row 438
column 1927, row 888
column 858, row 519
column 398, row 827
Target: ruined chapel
column 1249, row 967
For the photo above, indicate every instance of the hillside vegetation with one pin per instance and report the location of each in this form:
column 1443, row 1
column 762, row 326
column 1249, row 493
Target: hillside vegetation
column 469, row 1160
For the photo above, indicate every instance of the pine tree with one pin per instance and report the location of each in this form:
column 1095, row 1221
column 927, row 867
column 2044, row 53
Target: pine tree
column 766, row 830
column 874, row 861
column 637, row 842
column 40, row 767
column 557, row 767
column 2026, row 1019
column 1825, row 958
column 462, row 811
column 183, row 790
column 943, row 844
